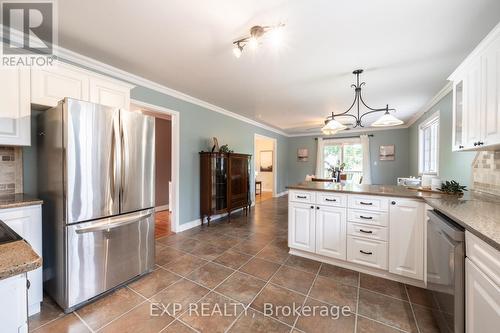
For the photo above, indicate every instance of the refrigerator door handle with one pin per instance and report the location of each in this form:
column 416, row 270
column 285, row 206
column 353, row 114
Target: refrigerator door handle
column 123, row 160
column 116, row 223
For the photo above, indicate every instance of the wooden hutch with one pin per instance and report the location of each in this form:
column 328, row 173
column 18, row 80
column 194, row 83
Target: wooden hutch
column 225, row 183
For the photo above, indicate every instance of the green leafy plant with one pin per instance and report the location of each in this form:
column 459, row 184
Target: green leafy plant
column 452, row 187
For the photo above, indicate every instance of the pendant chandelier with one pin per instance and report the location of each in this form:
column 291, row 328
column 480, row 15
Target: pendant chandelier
column 333, row 126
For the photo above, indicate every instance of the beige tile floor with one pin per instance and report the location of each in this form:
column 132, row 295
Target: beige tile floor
column 244, row 265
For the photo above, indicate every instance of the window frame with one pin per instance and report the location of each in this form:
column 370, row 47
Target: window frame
column 434, row 119
column 340, row 142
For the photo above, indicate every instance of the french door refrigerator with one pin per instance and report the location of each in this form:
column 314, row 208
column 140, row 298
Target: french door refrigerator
column 96, row 176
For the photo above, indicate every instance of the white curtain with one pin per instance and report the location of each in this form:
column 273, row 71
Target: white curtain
column 367, row 174
column 319, row 158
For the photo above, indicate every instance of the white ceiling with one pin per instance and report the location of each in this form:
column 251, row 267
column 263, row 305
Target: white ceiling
column 407, row 48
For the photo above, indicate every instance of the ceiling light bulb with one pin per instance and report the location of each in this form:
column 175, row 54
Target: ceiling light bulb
column 253, row 43
column 237, row 51
column 276, row 35
column 387, row 120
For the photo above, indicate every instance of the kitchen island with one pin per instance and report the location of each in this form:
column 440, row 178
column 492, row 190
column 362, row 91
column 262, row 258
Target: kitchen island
column 379, row 229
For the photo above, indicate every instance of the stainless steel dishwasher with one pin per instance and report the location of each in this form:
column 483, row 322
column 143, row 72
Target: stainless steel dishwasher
column 446, row 271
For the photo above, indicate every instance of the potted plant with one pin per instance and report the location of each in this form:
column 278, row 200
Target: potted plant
column 452, row 187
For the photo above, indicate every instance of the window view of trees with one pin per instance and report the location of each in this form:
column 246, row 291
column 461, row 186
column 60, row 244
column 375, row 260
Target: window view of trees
column 349, row 153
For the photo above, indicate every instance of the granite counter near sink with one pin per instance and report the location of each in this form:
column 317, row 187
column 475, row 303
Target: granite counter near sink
column 16, row 258
column 18, row 200
column 478, row 213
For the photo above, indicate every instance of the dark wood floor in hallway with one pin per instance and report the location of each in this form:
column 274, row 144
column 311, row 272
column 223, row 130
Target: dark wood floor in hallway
column 244, row 278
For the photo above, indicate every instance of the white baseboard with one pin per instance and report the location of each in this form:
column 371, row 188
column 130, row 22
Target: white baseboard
column 197, row 222
column 161, row 208
column 281, row 194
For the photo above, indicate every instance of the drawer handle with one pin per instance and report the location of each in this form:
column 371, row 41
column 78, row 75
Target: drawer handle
column 366, row 217
column 369, row 253
column 331, row 200
column 301, row 197
column 366, row 231
column 366, row 203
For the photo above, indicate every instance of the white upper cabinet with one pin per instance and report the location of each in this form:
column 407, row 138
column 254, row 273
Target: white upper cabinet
column 51, row 84
column 476, row 97
column 107, row 92
column 406, row 238
column 15, row 109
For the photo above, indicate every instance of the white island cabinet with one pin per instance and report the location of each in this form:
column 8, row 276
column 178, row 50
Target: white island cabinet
column 482, row 286
column 374, row 234
column 13, row 304
column 27, row 222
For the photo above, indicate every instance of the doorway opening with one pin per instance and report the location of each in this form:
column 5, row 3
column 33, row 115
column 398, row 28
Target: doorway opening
column 166, row 166
column 265, row 168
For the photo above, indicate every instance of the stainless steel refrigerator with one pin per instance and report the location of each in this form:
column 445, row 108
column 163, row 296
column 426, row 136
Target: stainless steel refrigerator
column 96, row 176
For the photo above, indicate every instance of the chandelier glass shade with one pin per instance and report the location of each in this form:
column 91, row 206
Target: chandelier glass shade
column 333, row 126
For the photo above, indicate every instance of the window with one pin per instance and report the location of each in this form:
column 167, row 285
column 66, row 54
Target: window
column 349, row 152
column 428, row 146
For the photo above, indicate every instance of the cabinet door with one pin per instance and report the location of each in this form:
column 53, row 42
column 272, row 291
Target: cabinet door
column 406, row 238
column 13, row 304
column 490, row 95
column 458, row 115
column 27, row 223
column 15, row 106
column 472, row 110
column 331, row 231
column 301, row 226
column 482, row 301
column 51, row 84
column 110, row 93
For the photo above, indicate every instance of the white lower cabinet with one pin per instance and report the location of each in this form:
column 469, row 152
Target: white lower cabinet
column 406, row 238
column 301, row 226
column 27, row 223
column 482, row 301
column 13, row 317
column 331, row 231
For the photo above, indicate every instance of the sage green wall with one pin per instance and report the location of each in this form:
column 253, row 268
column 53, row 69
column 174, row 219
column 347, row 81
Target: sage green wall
column 383, row 172
column 197, row 126
column 452, row 165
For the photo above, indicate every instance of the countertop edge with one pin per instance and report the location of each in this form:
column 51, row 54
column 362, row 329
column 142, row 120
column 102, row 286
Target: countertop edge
column 19, row 266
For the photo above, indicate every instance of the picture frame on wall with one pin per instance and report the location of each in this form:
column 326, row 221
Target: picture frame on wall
column 387, row 153
column 302, row 154
column 266, row 161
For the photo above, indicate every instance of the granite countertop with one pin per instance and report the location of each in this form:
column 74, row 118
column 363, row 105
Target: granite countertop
column 18, row 200
column 476, row 212
column 16, row 258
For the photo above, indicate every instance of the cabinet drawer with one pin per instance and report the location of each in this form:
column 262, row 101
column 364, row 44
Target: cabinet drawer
column 302, row 196
column 331, row 199
column 483, row 256
column 367, row 252
column 367, row 231
column 367, row 217
column 369, row 202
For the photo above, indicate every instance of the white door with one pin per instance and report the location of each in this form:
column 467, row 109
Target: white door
column 27, row 223
column 490, row 95
column 51, row 84
column 110, row 93
column 331, row 231
column 301, row 226
column 482, row 301
column 15, row 109
column 472, row 108
column 406, row 238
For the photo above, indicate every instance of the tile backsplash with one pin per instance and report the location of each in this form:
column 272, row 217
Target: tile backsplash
column 11, row 170
column 486, row 172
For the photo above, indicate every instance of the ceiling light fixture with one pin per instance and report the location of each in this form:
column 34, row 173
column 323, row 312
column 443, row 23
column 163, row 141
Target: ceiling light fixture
column 256, row 33
column 333, row 126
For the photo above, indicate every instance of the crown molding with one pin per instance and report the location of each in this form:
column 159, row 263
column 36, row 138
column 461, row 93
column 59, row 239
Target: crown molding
column 434, row 100
column 103, row 68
